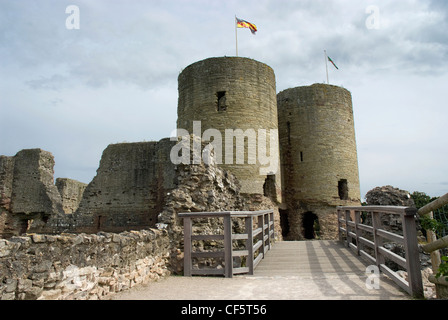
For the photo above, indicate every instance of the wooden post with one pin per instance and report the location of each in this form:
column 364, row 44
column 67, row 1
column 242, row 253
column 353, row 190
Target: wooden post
column 347, row 227
column 378, row 240
column 340, row 225
column 228, row 246
column 268, row 229
column 412, row 254
column 435, row 255
column 357, row 221
column 187, row 246
column 261, row 225
column 249, row 225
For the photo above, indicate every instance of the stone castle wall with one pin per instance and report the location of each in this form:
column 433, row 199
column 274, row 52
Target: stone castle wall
column 232, row 93
column 80, row 266
column 127, row 192
column 318, row 154
column 71, row 192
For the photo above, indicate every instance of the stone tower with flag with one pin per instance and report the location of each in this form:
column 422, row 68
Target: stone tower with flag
column 317, row 148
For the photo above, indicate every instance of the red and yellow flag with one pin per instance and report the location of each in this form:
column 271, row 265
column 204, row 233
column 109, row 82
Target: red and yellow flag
column 245, row 24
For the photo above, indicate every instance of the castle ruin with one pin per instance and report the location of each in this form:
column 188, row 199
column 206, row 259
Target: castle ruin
column 309, row 133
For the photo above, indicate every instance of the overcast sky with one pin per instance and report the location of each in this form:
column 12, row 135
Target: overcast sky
column 74, row 91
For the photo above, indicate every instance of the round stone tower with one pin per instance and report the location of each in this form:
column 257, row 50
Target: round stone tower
column 318, row 159
column 232, row 102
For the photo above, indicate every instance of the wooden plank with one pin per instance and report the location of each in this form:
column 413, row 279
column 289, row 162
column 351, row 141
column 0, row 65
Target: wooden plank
column 258, row 245
column 347, row 220
column 209, row 237
column 382, row 209
column 378, row 241
column 203, row 214
column 249, row 225
column 208, row 254
column 206, row 271
column 364, row 254
column 412, row 256
column 257, row 260
column 240, row 270
column 187, row 247
column 367, row 242
column 434, row 205
column 365, row 227
column 351, row 224
column 240, row 253
column 261, row 236
column 389, row 235
column 393, row 256
column 396, row 278
column 256, row 232
column 240, row 236
column 352, row 246
column 357, row 232
column 228, row 247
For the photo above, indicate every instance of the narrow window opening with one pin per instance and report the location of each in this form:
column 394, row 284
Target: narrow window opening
column 301, row 156
column 343, row 189
column 99, row 223
column 222, row 106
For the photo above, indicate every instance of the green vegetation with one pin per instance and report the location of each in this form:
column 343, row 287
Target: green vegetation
column 438, row 226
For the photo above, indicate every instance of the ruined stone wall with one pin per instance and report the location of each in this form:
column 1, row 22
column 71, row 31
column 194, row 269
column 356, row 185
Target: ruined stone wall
column 27, row 192
column 33, row 185
column 80, row 266
column 127, row 192
column 233, row 93
column 71, row 192
column 7, row 225
column 318, row 156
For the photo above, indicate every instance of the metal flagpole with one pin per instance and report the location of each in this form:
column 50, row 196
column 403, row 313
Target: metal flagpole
column 236, row 36
column 326, row 64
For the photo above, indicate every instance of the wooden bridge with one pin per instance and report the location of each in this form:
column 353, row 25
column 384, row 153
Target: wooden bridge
column 309, row 257
column 354, row 267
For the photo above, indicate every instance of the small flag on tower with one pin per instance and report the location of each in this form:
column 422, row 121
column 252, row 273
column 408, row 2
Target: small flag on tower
column 329, row 59
column 245, row 24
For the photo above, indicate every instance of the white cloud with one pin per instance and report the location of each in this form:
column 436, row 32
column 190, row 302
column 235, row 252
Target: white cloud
column 72, row 92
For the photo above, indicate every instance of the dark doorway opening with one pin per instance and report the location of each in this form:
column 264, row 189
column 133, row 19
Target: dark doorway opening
column 284, row 222
column 310, row 224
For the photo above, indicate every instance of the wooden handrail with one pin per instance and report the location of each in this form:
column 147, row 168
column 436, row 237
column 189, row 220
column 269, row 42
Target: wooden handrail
column 434, row 205
column 354, row 240
column 263, row 235
column 436, row 245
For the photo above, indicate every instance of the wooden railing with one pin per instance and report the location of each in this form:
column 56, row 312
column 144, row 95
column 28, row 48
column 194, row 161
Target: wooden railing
column 258, row 238
column 355, row 235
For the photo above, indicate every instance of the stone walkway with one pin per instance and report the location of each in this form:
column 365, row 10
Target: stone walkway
column 296, row 270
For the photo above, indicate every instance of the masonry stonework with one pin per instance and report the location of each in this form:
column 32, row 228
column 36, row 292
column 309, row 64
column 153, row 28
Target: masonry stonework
column 319, row 157
column 70, row 240
column 231, row 93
